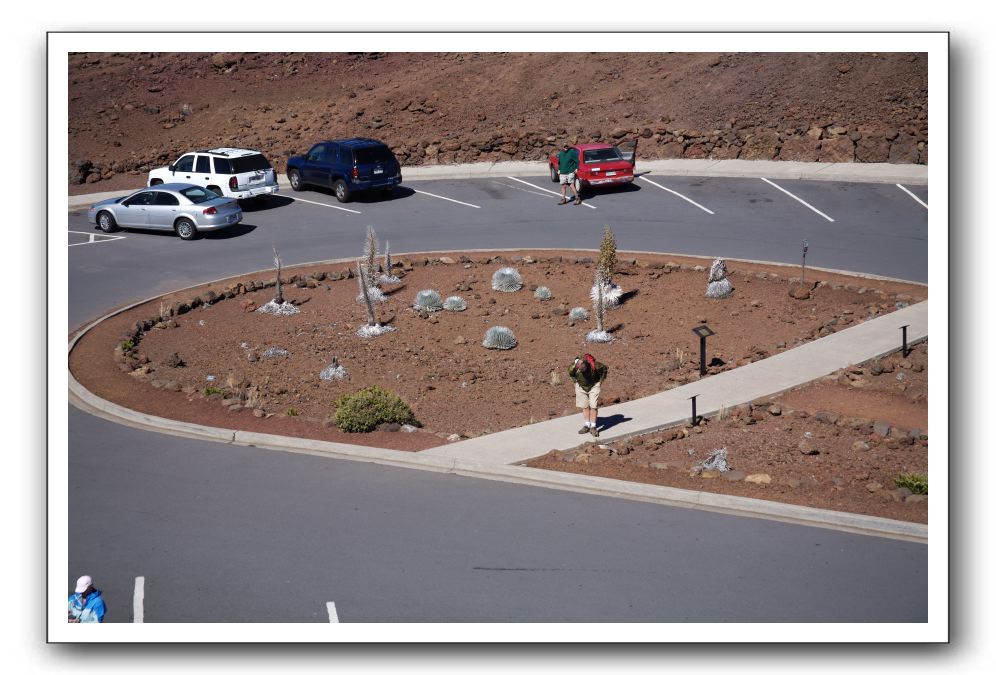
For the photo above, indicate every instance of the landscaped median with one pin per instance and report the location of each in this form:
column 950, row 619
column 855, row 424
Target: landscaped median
column 207, row 357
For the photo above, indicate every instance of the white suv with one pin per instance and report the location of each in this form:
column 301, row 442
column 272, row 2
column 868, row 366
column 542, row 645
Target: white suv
column 230, row 172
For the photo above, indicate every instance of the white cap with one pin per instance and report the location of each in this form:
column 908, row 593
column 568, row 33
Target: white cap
column 83, row 583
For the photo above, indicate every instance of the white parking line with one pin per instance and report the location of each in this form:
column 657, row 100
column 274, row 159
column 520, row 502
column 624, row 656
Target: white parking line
column 333, row 616
column 911, row 195
column 798, row 200
column 308, row 201
column 429, row 194
column 545, row 190
column 92, row 238
column 678, row 194
column 138, row 605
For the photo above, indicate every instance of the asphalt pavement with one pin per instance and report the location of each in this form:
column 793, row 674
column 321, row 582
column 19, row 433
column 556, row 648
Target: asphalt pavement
column 224, row 533
column 877, row 229
column 259, row 535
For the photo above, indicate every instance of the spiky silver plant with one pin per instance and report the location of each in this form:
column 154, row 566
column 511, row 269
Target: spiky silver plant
column 606, row 265
column 370, row 268
column 499, row 337
column 506, row 280
column 278, row 306
column 361, row 279
column 599, row 334
column 370, row 255
column 579, row 314
column 542, row 293
column 454, row 303
column 372, row 329
column 335, row 371
column 388, row 276
column 279, row 297
column 428, row 301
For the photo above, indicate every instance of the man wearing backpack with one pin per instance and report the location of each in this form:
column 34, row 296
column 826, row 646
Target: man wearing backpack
column 588, row 375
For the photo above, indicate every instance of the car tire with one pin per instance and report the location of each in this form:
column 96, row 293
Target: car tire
column 295, row 180
column 554, row 176
column 342, row 192
column 155, row 181
column 185, row 229
column 217, row 190
column 106, row 222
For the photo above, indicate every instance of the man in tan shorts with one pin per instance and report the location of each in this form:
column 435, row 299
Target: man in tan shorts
column 588, row 375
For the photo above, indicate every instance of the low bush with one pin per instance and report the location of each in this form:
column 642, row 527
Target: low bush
column 363, row 410
column 916, row 482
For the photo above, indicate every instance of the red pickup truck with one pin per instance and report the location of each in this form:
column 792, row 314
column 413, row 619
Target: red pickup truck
column 600, row 164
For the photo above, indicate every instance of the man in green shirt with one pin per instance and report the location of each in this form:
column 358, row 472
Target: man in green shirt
column 588, row 375
column 567, row 165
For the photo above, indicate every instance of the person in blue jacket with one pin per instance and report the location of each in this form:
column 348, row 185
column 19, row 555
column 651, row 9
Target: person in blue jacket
column 86, row 605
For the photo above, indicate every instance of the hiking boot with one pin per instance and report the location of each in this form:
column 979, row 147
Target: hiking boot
column 594, row 432
column 585, row 429
column 562, row 201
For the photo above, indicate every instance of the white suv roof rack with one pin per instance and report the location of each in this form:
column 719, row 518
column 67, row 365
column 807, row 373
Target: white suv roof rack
column 233, row 152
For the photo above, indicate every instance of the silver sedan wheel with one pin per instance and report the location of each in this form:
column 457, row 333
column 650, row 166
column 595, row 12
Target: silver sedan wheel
column 106, row 222
column 186, row 229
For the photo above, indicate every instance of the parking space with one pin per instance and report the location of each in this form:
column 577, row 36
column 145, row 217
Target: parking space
column 918, row 193
column 77, row 238
column 876, row 228
column 798, row 199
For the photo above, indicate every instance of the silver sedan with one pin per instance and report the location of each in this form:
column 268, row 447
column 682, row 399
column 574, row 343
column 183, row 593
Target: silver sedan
column 186, row 209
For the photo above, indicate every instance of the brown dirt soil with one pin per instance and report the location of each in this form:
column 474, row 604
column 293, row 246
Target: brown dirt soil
column 131, row 112
column 853, row 470
column 438, row 364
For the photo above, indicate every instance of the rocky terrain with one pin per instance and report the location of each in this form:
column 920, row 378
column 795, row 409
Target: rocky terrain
column 839, row 443
column 129, row 112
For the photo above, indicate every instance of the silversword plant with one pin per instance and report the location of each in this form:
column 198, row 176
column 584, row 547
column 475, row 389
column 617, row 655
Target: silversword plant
column 506, row 280
column 499, row 337
column 579, row 314
column 428, row 300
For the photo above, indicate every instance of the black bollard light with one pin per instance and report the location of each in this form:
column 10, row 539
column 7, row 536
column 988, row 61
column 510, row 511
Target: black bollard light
column 906, row 350
column 703, row 332
column 695, row 416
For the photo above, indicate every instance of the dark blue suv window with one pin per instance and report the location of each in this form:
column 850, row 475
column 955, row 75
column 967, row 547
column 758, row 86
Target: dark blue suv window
column 373, row 153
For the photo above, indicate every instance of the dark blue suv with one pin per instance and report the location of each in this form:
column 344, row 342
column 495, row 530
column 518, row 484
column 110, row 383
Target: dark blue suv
column 346, row 167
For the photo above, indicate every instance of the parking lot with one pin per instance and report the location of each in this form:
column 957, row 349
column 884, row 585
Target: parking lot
column 874, row 228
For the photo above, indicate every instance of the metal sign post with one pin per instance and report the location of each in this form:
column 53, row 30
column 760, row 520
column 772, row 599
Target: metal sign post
column 695, row 416
column 805, row 249
column 703, row 332
column 906, row 350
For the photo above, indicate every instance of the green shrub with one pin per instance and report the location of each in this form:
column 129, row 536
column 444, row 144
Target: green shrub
column 916, row 482
column 209, row 391
column 292, row 412
column 363, row 410
column 127, row 345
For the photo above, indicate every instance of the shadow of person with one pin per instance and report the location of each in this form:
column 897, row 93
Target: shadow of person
column 610, row 421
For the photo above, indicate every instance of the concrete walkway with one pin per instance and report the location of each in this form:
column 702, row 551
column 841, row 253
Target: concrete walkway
column 764, row 378
column 909, row 174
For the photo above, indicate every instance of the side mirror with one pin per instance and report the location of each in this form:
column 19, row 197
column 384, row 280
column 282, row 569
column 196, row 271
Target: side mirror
column 172, row 168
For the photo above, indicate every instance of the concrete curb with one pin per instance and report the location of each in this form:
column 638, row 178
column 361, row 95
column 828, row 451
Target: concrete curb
column 606, row 487
column 427, row 461
column 910, row 174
